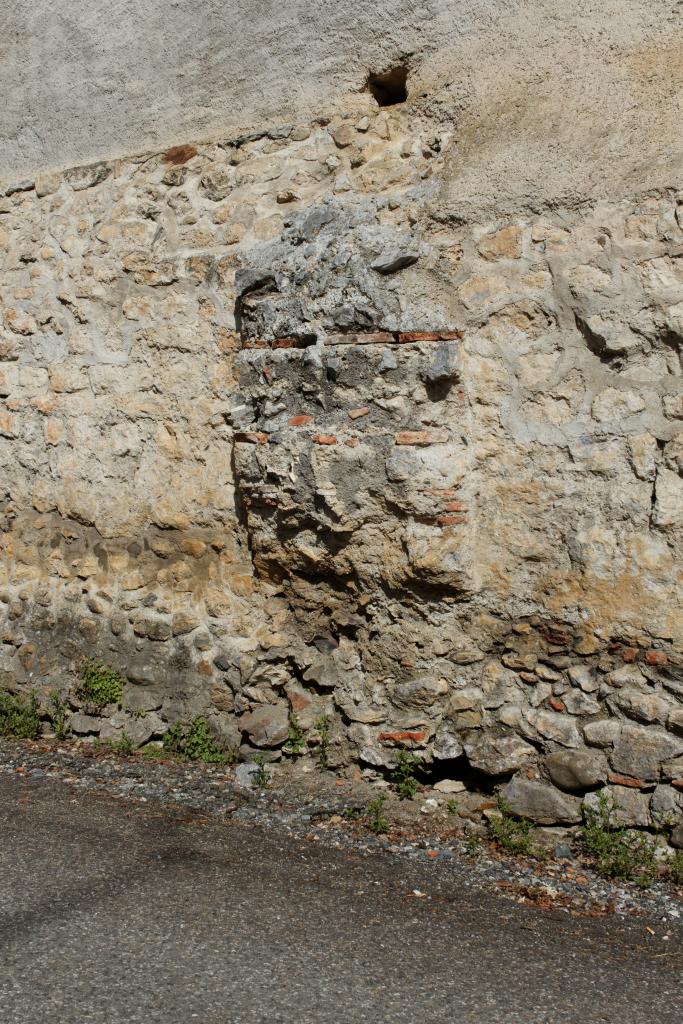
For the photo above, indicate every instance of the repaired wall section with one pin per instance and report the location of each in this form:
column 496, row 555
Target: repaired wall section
column 278, row 434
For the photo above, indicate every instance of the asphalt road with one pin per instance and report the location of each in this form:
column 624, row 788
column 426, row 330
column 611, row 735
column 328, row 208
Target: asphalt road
column 114, row 913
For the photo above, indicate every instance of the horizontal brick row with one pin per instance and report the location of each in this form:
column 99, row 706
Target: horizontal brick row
column 392, row 337
column 416, row 438
column 368, row 338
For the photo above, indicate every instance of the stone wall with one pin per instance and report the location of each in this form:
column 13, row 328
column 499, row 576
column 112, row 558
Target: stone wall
column 281, row 432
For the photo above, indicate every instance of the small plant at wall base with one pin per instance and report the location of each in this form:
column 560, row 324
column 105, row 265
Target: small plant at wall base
column 376, row 821
column 124, row 745
column 194, row 742
column 676, row 868
column 295, row 737
column 260, row 777
column 618, row 852
column 323, row 727
column 509, row 831
column 402, row 776
column 100, row 684
column 59, row 716
column 19, row 716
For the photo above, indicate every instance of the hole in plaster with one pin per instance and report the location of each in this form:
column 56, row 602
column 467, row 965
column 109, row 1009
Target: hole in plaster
column 389, row 88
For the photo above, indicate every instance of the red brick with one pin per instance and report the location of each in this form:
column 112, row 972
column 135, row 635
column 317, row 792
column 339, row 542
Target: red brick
column 678, row 783
column 178, row 155
column 299, row 421
column 284, row 343
column 421, row 437
column 408, row 337
column 355, row 414
column 629, row 654
column 656, row 658
column 450, row 520
column 455, row 506
column 402, row 736
column 374, row 338
column 324, row 439
column 556, row 705
column 255, row 343
column 625, row 780
column 251, row 437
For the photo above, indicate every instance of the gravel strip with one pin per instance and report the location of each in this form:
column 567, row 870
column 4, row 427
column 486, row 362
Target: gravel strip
column 312, row 806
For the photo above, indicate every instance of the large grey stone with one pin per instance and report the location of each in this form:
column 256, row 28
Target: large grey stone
column 541, row 803
column 666, row 805
column 641, row 705
column 142, row 671
column 640, row 751
column 247, row 773
column 555, row 726
column 140, row 698
column 631, row 807
column 603, row 733
column 447, row 745
column 267, row 726
column 420, row 692
column 576, row 769
column 137, row 728
column 226, row 730
column 84, row 725
column 498, row 755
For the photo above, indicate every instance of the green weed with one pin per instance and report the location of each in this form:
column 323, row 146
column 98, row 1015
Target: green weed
column 19, row 716
column 135, row 712
column 618, row 852
column 375, row 820
column 509, row 831
column 153, row 750
column 260, row 777
column 472, row 844
column 59, row 716
column 676, row 868
column 402, row 776
column 323, row 727
column 100, row 684
column 296, row 739
column 194, row 741
column 123, row 745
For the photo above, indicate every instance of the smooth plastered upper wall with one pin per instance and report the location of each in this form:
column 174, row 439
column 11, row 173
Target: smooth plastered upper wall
column 551, row 102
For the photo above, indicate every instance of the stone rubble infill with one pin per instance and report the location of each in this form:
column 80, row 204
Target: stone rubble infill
column 290, row 444
column 311, row 805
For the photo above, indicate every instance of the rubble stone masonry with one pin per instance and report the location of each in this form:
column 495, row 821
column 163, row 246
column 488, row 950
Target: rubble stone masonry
column 281, row 434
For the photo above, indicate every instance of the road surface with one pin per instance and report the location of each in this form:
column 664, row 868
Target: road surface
column 122, row 913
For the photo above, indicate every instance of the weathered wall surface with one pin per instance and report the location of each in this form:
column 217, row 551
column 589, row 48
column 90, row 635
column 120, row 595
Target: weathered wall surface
column 314, row 420
column 547, row 100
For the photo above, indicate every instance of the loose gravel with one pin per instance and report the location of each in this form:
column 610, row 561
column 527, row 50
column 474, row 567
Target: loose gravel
column 322, row 808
